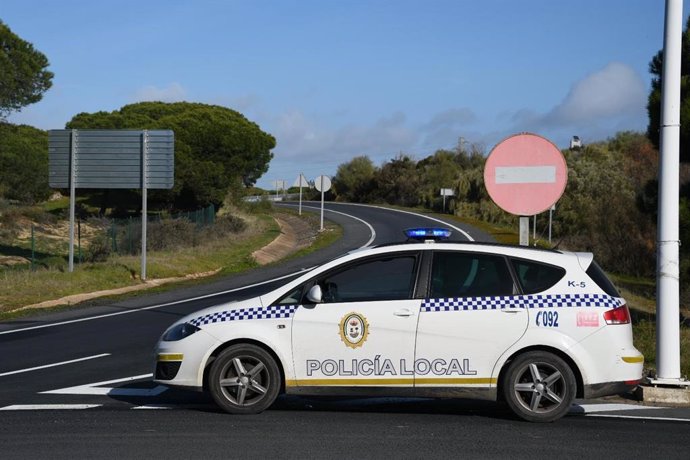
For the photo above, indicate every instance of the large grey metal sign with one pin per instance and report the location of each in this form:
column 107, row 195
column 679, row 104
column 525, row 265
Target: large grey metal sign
column 111, row 158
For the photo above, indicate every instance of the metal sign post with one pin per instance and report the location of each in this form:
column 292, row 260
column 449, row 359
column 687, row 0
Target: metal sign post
column 323, row 184
column 300, row 182
column 144, row 201
column 444, row 193
column 72, row 195
column 551, row 210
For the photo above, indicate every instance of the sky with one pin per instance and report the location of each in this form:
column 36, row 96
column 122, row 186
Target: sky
column 331, row 80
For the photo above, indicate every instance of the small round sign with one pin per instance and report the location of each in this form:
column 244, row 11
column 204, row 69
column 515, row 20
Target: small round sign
column 322, row 182
column 525, row 174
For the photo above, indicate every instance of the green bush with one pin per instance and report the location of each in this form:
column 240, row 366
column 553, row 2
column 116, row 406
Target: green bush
column 99, row 249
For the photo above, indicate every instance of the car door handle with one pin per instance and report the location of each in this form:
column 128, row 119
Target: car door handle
column 512, row 311
column 403, row 312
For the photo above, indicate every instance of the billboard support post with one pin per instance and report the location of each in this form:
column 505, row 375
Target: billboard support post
column 144, row 205
column 72, row 195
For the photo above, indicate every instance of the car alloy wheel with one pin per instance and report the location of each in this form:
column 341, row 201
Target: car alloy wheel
column 244, row 379
column 539, row 386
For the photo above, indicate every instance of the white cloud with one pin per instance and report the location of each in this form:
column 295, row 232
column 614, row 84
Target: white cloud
column 307, row 138
column 174, row 92
column 596, row 107
column 616, row 90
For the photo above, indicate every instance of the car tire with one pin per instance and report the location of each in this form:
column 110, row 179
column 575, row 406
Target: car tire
column 539, row 386
column 244, row 379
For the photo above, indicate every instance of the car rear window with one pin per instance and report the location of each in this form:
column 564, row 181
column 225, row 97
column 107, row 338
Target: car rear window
column 536, row 277
column 459, row 274
column 598, row 276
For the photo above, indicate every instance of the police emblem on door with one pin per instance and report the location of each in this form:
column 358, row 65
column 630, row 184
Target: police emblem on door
column 354, row 330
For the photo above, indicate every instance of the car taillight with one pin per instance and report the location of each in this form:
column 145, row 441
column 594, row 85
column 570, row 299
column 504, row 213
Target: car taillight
column 620, row 315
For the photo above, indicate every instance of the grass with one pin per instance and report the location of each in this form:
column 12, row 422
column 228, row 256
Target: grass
column 330, row 234
column 644, row 333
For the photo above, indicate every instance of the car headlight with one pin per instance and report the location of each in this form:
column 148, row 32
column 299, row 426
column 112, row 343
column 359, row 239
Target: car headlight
column 179, row 332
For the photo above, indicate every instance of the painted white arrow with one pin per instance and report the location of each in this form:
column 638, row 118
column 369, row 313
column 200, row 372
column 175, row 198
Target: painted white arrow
column 97, row 389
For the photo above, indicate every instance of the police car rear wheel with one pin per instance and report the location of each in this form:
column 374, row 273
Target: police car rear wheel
column 539, row 387
column 244, row 379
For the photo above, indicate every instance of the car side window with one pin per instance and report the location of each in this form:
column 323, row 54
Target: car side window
column 390, row 278
column 536, row 277
column 467, row 274
column 293, row 297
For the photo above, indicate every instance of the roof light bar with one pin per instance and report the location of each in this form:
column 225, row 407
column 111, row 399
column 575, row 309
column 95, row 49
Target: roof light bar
column 425, row 234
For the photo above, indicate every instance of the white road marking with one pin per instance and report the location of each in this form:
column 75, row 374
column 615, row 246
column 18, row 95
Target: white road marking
column 371, row 229
column 97, row 389
column 641, row 417
column 152, row 406
column 49, row 406
column 20, row 371
column 591, row 408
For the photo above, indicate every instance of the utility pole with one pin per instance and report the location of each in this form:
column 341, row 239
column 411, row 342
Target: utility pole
column 668, row 273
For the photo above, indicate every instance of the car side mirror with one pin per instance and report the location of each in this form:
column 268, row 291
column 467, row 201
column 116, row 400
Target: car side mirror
column 315, row 295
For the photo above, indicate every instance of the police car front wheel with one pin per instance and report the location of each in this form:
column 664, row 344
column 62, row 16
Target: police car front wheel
column 539, row 386
column 244, row 379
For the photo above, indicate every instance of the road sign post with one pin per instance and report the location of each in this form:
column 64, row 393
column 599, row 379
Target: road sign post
column 444, row 193
column 300, row 182
column 525, row 175
column 322, row 184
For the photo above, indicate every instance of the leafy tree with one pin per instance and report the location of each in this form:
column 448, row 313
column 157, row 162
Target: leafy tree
column 214, row 147
column 654, row 101
column 397, row 182
column 438, row 171
column 354, row 180
column 23, row 163
column 23, row 74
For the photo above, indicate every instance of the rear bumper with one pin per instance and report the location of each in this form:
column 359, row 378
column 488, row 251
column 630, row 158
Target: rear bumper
column 609, row 388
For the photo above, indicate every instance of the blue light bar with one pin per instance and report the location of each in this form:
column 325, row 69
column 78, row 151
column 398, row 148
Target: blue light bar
column 428, row 234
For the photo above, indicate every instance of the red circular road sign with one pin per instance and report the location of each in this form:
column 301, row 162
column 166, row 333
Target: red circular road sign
column 525, row 174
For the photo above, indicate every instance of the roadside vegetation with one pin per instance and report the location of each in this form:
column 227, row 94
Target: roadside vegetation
column 180, row 250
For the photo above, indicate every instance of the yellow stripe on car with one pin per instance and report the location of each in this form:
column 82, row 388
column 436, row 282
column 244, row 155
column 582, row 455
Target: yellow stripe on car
column 633, row 359
column 386, row 382
column 165, row 357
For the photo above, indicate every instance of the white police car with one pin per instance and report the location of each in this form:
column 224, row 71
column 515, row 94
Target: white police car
column 534, row 328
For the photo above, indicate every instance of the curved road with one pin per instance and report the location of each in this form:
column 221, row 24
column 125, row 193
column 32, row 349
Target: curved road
column 77, row 384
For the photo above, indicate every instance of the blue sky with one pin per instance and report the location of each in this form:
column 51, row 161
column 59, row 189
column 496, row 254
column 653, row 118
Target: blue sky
column 335, row 79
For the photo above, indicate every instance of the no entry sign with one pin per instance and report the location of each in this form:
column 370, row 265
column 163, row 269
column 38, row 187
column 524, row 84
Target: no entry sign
column 525, row 174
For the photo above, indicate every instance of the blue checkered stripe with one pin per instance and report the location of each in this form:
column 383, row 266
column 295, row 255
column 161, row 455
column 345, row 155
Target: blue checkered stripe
column 273, row 312
column 526, row 301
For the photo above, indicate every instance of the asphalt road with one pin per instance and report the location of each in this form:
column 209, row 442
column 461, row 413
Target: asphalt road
column 78, row 383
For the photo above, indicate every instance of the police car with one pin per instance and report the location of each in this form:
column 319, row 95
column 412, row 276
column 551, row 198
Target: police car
column 533, row 328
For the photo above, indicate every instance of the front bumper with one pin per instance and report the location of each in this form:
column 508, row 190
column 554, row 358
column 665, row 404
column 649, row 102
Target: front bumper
column 181, row 363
